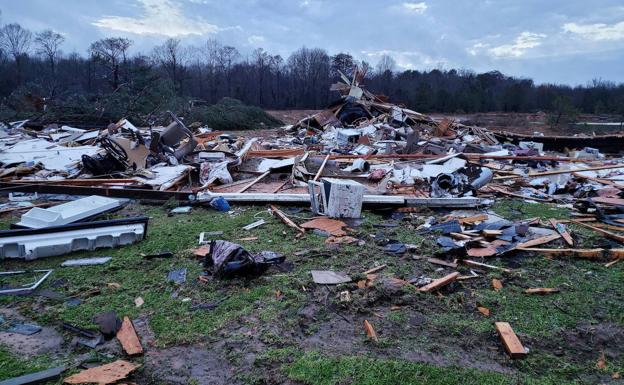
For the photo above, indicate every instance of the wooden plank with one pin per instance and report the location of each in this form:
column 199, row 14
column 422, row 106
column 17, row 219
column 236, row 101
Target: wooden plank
column 484, row 265
column 253, row 182
column 440, row 282
column 320, row 170
column 105, row 374
column 473, row 219
column 375, row 269
column 617, row 237
column 510, row 340
column 442, row 262
column 285, row 219
column 538, row 241
column 128, row 338
column 562, row 231
column 541, row 290
column 370, row 331
column 557, row 172
column 609, row 201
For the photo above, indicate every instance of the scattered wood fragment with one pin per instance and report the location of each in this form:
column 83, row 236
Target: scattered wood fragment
column 484, row 265
column 128, row 338
column 370, row 331
column 562, row 231
column 556, row 172
column 538, row 241
column 332, row 226
column 442, row 262
column 612, row 263
column 581, row 253
column 608, row 234
column 484, row 310
column 541, row 290
column 491, row 233
column 482, row 251
column 497, row 284
column 473, row 219
column 247, row 239
column 510, row 340
column 440, row 282
column 320, row 170
column 609, row 201
column 253, row 182
column 375, row 269
column 285, row 219
column 102, row 375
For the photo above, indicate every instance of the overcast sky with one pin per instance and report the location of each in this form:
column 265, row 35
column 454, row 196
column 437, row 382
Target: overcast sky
column 554, row 41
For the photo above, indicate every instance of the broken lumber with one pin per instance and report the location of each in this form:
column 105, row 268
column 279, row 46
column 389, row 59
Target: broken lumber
column 537, row 241
column 562, row 231
column 512, row 344
column 608, row 234
column 105, row 374
column 581, row 253
column 374, row 269
column 128, row 338
column 440, row 282
column 442, row 262
column 556, row 172
column 541, row 290
column 320, row 170
column 485, row 265
column 253, row 182
column 285, row 219
column 370, row 331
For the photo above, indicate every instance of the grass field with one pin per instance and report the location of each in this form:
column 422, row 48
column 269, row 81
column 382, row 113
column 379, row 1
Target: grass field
column 282, row 328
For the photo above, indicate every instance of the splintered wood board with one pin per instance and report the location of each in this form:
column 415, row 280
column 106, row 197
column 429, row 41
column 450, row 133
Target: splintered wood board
column 512, row 344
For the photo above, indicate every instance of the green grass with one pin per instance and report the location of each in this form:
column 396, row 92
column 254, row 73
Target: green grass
column 590, row 293
column 515, row 209
column 13, row 366
column 316, row 369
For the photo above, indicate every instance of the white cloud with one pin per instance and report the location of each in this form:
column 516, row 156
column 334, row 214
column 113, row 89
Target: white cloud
column 256, row 39
column 597, row 32
column 408, row 60
column 418, row 8
column 160, row 17
column 524, row 42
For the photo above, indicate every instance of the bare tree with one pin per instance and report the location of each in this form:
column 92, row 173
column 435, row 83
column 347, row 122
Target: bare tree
column 111, row 52
column 15, row 41
column 172, row 57
column 48, row 43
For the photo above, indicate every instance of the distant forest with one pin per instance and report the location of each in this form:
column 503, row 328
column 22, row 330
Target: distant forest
column 38, row 79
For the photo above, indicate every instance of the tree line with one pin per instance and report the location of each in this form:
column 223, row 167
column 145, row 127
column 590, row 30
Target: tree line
column 107, row 81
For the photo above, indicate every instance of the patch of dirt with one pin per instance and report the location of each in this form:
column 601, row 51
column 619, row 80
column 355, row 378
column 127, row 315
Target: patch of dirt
column 204, row 364
column 47, row 341
column 586, row 342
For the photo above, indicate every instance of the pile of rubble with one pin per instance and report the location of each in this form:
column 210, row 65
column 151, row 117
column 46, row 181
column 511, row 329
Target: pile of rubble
column 362, row 150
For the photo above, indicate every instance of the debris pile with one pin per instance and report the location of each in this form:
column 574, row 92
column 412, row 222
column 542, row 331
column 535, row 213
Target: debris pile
column 366, row 148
